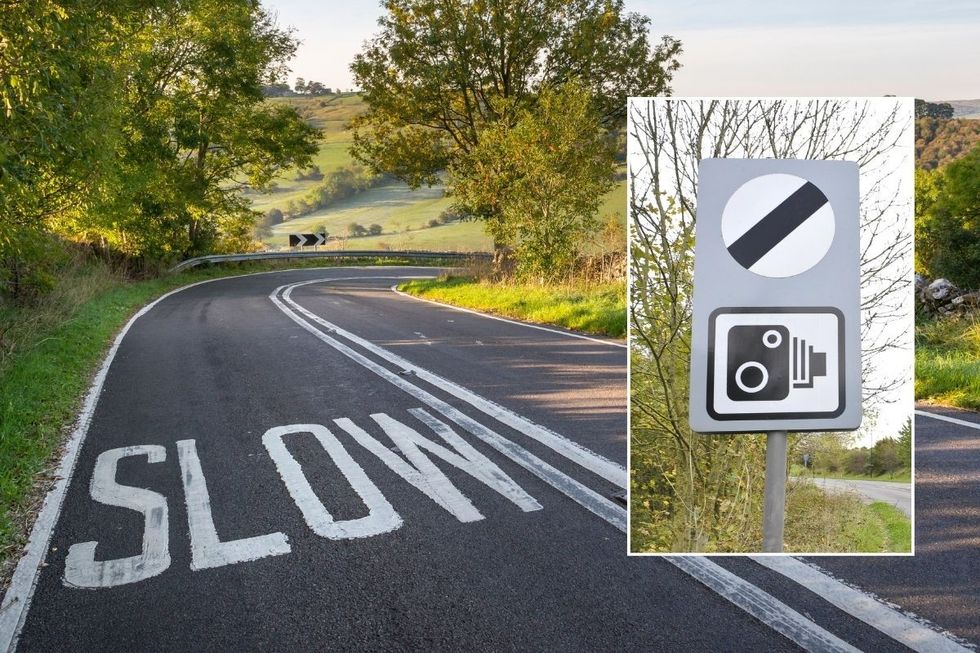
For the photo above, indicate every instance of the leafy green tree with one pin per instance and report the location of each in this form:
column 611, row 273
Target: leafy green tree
column 59, row 113
column 941, row 110
column 947, row 224
column 440, row 72
column 884, row 457
column 375, row 229
column 544, row 178
column 197, row 129
column 905, row 445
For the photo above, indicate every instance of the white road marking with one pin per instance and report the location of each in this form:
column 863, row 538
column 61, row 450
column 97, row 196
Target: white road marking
column 900, row 627
column 576, row 491
column 429, row 479
column 381, row 517
column 207, row 549
column 607, row 469
column 82, row 570
column 951, row 420
column 744, row 595
column 570, row 334
column 17, row 599
column 761, row 605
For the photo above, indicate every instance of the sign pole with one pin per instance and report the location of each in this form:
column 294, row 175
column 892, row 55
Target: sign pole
column 774, row 506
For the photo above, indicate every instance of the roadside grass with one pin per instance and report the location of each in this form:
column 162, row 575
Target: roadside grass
column 48, row 355
column 898, row 526
column 898, row 476
column 830, row 522
column 947, row 362
column 598, row 308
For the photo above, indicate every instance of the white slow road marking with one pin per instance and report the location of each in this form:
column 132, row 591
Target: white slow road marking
column 423, row 473
column 381, row 517
column 900, row 627
column 578, row 492
column 744, row 595
column 17, row 599
column 207, row 549
column 580, row 336
column 82, row 570
column 607, row 469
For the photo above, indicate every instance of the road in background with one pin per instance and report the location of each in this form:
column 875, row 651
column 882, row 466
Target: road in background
column 894, row 494
column 304, row 460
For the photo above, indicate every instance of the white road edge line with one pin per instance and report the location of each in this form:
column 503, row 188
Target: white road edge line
column 600, row 465
column 900, row 627
column 17, row 599
column 951, row 420
column 742, row 594
column 570, row 334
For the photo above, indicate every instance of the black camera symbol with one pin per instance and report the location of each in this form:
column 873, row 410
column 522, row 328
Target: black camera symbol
column 764, row 361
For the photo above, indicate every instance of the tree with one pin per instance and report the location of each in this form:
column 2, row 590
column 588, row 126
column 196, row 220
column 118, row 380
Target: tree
column 355, row 230
column 439, row 73
column 941, row 110
column 375, row 229
column 543, row 179
column 947, row 224
column 315, row 88
column 300, row 85
column 905, row 445
column 884, row 457
column 198, row 129
column 59, row 114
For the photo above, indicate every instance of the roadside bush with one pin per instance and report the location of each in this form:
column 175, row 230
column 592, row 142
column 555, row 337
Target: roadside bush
column 947, row 222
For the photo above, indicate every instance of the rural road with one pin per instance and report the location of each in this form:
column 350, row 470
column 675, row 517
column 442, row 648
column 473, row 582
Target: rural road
column 306, row 460
column 895, row 494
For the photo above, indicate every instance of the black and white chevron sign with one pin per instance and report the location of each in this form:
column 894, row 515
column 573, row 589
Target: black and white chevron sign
column 778, row 225
column 307, row 240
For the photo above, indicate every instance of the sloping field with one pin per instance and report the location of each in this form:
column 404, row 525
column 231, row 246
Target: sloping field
column 403, row 214
column 395, row 207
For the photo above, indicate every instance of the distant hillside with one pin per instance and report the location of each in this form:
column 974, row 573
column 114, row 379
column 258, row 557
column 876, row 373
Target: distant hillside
column 937, row 142
column 965, row 108
column 408, row 219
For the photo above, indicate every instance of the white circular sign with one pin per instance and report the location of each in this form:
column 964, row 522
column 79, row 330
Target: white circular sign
column 778, row 225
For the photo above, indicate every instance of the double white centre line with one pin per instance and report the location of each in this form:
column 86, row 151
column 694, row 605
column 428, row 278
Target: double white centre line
column 746, row 596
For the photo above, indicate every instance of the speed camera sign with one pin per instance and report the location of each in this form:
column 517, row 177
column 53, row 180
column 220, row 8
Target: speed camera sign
column 776, row 337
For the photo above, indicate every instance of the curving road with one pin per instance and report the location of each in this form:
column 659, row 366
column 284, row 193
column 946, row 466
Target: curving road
column 305, row 460
column 895, row 494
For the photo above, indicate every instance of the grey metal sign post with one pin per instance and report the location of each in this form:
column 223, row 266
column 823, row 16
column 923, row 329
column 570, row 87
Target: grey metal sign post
column 776, row 337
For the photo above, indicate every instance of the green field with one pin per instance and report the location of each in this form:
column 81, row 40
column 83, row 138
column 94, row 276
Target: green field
column 403, row 214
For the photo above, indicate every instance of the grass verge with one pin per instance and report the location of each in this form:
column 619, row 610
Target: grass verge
column 831, row 522
column 48, row 354
column 947, row 362
column 592, row 308
column 898, row 476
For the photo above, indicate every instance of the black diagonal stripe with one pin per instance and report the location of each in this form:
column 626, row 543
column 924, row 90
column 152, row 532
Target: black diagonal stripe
column 781, row 221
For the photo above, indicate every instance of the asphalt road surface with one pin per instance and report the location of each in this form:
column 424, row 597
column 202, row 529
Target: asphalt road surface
column 895, row 494
column 306, row 460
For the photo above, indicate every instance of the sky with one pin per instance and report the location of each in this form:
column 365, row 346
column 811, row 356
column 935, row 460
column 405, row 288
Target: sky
column 737, row 47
